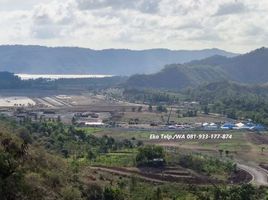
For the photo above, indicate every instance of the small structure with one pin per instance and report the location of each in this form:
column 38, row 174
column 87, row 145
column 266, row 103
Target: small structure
column 249, row 126
column 210, row 126
column 227, row 126
column 94, row 124
column 240, row 126
column 258, row 127
column 156, row 162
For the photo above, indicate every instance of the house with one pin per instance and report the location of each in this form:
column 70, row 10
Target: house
column 210, row 126
column 240, row 126
column 258, row 127
column 248, row 126
column 227, row 126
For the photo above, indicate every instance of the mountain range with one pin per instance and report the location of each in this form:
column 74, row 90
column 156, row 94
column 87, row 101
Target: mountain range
column 73, row 60
column 249, row 68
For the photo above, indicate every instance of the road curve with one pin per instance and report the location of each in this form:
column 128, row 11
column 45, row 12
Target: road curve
column 260, row 176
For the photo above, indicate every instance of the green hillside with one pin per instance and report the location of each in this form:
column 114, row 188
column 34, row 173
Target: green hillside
column 74, row 60
column 177, row 77
column 232, row 99
column 249, row 68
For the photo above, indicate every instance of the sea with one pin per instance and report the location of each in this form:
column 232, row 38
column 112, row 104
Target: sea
column 60, row 76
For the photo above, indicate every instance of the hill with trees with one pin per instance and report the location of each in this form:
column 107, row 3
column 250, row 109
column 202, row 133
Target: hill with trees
column 177, row 77
column 247, row 68
column 233, row 99
column 250, row 68
column 72, row 60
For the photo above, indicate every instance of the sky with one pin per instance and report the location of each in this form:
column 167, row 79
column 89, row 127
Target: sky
column 234, row 25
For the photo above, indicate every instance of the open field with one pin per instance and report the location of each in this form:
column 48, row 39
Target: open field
column 16, row 101
column 166, row 175
column 244, row 145
column 249, row 150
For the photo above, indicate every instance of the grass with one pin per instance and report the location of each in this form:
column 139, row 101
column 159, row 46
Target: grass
column 240, row 146
column 148, row 117
column 115, row 160
column 124, row 158
column 90, row 130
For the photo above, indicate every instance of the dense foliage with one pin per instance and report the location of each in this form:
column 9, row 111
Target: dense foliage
column 234, row 100
column 153, row 97
column 176, row 77
column 71, row 141
column 42, row 161
column 151, row 156
column 10, row 81
column 206, row 165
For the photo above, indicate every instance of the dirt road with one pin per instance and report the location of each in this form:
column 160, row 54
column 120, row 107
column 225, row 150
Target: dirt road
column 128, row 174
column 260, row 176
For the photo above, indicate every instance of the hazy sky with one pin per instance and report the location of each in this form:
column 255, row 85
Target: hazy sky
column 235, row 25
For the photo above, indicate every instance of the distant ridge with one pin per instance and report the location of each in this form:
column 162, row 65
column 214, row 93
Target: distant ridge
column 74, row 60
column 249, row 68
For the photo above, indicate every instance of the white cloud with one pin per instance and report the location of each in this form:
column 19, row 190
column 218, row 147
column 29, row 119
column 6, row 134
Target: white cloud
column 231, row 8
column 52, row 20
column 229, row 24
column 146, row 6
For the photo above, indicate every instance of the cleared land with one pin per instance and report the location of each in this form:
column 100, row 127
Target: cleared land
column 16, row 101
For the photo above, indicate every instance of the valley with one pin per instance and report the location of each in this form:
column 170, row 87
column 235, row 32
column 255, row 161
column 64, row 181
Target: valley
column 186, row 132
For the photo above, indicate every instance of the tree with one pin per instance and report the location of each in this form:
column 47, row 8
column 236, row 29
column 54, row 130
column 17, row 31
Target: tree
column 73, row 120
column 161, row 108
column 232, row 114
column 220, row 151
column 71, row 193
column 12, row 156
column 157, row 194
column 91, row 155
column 227, row 153
column 58, row 119
column 92, row 192
column 25, row 135
column 262, row 149
column 139, row 143
column 133, row 183
column 151, row 155
column 205, row 109
column 112, row 194
column 150, row 108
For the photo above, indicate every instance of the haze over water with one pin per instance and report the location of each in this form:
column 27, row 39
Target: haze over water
column 60, row 76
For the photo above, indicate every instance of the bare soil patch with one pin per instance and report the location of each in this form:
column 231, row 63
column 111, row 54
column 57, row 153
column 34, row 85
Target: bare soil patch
column 159, row 175
column 258, row 139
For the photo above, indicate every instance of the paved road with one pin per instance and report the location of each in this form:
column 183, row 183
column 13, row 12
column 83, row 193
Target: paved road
column 260, row 176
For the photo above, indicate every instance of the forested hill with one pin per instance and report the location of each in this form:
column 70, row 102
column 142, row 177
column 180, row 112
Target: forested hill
column 233, row 99
column 177, row 77
column 10, row 81
column 250, row 68
column 220, row 90
column 71, row 60
column 247, row 68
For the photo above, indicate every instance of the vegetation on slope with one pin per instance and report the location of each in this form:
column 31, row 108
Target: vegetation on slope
column 247, row 68
column 233, row 100
column 62, row 60
column 34, row 166
column 10, row 81
column 176, row 77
